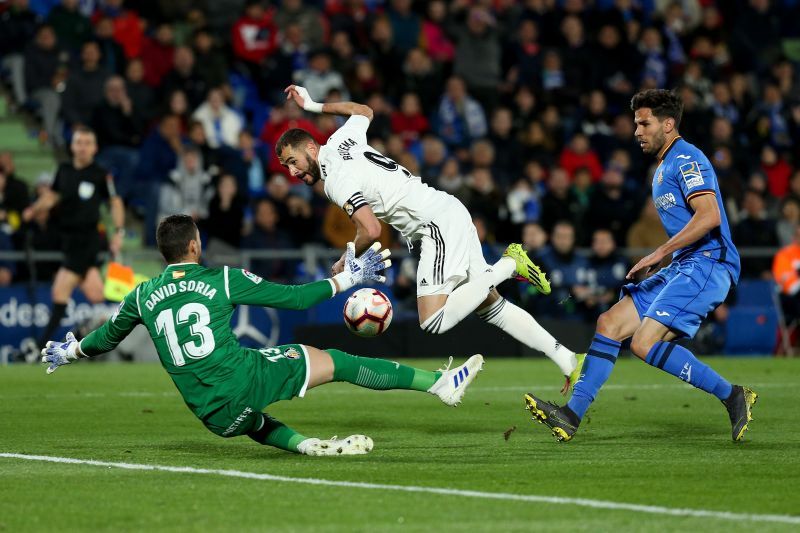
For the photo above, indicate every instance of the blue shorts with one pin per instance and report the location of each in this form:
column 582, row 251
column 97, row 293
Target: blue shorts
column 682, row 294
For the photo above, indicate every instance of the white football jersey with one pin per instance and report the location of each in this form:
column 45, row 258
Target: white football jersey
column 356, row 175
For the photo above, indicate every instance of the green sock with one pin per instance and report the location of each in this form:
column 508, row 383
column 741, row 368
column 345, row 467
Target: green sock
column 277, row 434
column 379, row 374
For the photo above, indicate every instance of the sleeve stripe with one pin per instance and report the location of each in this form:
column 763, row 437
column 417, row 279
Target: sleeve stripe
column 700, row 193
column 227, row 286
column 357, row 200
column 138, row 306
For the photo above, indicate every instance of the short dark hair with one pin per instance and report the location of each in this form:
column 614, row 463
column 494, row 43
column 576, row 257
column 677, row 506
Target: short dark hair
column 294, row 138
column 84, row 129
column 173, row 236
column 663, row 103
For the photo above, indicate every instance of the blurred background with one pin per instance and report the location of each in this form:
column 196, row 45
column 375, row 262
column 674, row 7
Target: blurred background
column 518, row 108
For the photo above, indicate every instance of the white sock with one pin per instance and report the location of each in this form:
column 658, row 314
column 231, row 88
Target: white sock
column 522, row 326
column 466, row 298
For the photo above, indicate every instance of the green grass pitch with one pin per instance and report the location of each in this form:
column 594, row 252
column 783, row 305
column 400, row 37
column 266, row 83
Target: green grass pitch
column 650, row 440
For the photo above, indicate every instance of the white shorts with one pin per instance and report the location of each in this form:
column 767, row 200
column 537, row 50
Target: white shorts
column 450, row 252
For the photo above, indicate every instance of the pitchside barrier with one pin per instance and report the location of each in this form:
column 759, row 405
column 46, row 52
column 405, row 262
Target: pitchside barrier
column 755, row 324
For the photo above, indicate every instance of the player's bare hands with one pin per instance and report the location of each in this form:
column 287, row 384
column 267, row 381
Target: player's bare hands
column 650, row 263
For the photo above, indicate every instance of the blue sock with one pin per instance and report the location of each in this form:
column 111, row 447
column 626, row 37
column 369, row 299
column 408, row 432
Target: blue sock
column 597, row 367
column 681, row 363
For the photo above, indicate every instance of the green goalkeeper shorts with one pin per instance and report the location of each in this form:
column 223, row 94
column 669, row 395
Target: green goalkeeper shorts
column 278, row 373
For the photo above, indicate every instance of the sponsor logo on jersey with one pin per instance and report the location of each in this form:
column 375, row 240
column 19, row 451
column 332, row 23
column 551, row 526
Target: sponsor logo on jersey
column 684, row 156
column 85, row 190
column 423, row 283
column 665, row 201
column 291, row 353
column 252, row 277
column 324, row 170
column 691, row 175
column 238, row 422
column 662, row 313
column 178, row 274
column 660, row 178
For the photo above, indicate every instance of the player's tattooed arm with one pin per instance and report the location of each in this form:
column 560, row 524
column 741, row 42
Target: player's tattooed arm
column 706, row 217
column 303, row 99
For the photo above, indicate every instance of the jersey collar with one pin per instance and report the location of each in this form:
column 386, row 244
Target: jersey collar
column 182, row 264
column 665, row 150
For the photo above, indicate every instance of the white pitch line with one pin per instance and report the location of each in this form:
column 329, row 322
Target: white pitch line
column 530, row 498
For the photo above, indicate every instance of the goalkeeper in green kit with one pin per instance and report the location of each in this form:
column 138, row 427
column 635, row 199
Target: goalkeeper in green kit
column 187, row 311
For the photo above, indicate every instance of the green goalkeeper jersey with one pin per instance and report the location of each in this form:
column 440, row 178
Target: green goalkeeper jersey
column 187, row 311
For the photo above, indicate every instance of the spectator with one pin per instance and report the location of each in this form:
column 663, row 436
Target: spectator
column 128, row 27
column 406, row 25
column 157, row 158
column 522, row 55
column 576, row 52
column 460, row 119
column 255, row 37
column 184, row 77
column 306, row 17
column 580, row 154
column 72, row 28
column 158, row 54
column 177, row 104
column 409, row 122
column 507, row 148
column 560, row 202
column 45, row 72
column 422, row 77
column 655, row 69
column 755, row 230
column 434, row 38
column 452, row 181
column 292, row 56
column 266, row 235
column 484, row 199
column 478, row 55
column 567, row 270
column 119, row 132
column 225, row 213
column 14, row 195
column 788, row 222
column 210, row 64
column 112, row 56
column 17, row 28
column 187, row 191
column 434, row 154
column 605, row 275
column 611, row 207
column 614, row 63
column 755, row 36
column 537, row 145
column 319, row 79
column 777, row 171
column 386, row 55
column 222, row 124
column 85, row 86
column 140, row 93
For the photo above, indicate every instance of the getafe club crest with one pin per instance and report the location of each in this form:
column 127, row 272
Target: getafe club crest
column 660, row 179
column 291, row 353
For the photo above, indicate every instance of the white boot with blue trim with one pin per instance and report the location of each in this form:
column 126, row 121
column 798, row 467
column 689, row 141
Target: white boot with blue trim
column 452, row 384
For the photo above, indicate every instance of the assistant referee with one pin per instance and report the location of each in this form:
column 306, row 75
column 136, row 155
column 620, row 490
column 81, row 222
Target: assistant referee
column 79, row 189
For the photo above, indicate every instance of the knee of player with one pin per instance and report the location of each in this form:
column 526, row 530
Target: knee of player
column 608, row 326
column 641, row 345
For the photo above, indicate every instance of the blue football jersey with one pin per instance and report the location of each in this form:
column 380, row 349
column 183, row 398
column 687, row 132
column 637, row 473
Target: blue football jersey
column 683, row 173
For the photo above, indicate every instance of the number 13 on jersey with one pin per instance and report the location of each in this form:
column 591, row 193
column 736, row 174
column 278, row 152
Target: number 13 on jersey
column 201, row 338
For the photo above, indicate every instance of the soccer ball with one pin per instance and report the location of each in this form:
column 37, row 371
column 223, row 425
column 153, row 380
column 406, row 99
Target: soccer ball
column 368, row 312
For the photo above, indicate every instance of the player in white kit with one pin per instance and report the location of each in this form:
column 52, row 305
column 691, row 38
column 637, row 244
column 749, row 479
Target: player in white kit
column 453, row 278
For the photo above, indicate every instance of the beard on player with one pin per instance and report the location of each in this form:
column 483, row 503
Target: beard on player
column 313, row 172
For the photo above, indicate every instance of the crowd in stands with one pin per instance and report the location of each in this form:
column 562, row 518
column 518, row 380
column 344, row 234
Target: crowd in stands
column 518, row 108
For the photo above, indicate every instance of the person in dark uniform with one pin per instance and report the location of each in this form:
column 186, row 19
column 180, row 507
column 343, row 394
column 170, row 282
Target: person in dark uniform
column 78, row 191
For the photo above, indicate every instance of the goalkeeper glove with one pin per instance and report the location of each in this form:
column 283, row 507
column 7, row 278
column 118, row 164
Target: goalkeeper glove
column 358, row 270
column 57, row 354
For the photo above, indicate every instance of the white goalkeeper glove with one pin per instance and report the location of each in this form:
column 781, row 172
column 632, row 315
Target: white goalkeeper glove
column 57, row 354
column 303, row 99
column 358, row 270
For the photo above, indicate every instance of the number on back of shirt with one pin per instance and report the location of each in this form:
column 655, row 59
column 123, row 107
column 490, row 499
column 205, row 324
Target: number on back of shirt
column 201, row 342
